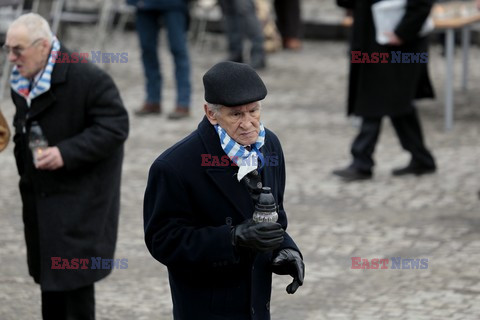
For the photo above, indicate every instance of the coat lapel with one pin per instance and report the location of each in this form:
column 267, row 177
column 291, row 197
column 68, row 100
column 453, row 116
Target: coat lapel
column 225, row 178
column 267, row 175
column 44, row 101
column 41, row 103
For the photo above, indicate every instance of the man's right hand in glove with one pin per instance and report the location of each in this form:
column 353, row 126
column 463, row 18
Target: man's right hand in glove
column 265, row 236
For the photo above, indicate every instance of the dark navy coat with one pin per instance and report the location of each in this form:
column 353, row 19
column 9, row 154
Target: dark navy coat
column 188, row 213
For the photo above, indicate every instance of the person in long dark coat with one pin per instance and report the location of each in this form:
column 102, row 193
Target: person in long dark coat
column 199, row 203
column 388, row 89
column 71, row 196
column 289, row 23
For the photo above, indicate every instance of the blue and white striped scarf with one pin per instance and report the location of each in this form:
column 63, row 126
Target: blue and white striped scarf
column 247, row 161
column 21, row 84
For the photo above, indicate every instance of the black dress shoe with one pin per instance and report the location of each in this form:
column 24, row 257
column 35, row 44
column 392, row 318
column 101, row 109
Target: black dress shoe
column 149, row 108
column 413, row 169
column 235, row 58
column 352, row 174
column 258, row 64
column 179, row 113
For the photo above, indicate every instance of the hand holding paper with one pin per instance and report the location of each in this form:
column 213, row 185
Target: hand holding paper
column 393, row 39
column 387, row 15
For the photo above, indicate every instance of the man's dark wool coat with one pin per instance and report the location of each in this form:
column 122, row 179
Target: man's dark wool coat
column 387, row 89
column 72, row 212
column 188, row 213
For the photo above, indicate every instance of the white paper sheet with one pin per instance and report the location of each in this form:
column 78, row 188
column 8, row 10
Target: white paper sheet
column 387, row 15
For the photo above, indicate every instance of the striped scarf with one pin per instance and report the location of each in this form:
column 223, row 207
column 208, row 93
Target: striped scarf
column 247, row 161
column 21, row 85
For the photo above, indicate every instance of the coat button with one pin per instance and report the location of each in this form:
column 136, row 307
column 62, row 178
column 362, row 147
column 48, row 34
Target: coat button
column 253, row 310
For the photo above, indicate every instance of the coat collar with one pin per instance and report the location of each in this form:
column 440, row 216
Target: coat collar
column 210, row 138
column 59, row 74
column 224, row 177
column 211, row 141
column 44, row 101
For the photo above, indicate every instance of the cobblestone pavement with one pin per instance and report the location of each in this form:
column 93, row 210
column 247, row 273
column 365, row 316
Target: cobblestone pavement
column 435, row 217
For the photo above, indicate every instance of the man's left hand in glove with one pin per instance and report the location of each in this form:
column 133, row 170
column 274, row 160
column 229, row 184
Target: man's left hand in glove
column 289, row 261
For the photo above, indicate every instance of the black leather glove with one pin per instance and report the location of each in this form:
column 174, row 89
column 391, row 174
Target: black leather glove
column 289, row 261
column 265, row 236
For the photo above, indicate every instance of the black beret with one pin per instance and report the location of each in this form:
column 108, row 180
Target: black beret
column 233, row 84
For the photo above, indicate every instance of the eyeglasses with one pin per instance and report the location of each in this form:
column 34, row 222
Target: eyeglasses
column 18, row 51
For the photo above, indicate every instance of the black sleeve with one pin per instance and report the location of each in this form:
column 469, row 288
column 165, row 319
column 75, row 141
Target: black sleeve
column 288, row 242
column 174, row 233
column 415, row 16
column 107, row 129
column 348, row 4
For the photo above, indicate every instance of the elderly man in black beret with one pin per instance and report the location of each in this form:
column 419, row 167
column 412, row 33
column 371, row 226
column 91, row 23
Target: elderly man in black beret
column 199, row 202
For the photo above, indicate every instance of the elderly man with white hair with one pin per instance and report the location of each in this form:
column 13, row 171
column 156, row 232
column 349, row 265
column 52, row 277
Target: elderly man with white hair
column 70, row 193
column 200, row 200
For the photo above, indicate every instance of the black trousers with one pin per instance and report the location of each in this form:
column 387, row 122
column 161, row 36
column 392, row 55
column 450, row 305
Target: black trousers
column 288, row 18
column 409, row 133
column 78, row 304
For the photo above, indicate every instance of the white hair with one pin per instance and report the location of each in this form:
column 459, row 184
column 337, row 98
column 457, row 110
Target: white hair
column 215, row 108
column 36, row 25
